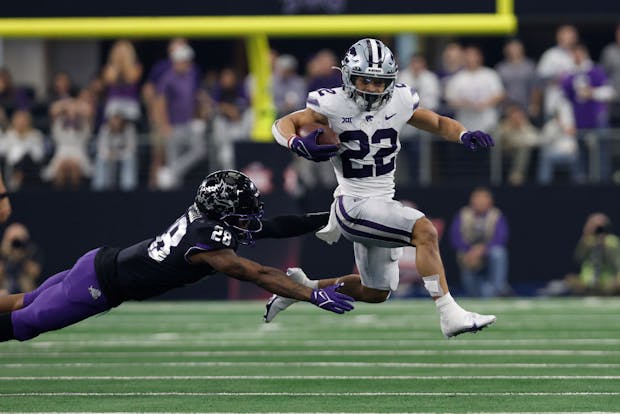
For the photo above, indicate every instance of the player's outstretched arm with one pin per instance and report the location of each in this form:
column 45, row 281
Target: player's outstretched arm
column 282, row 227
column 274, row 280
column 450, row 129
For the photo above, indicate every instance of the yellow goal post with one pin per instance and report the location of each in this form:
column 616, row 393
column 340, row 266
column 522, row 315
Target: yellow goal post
column 257, row 30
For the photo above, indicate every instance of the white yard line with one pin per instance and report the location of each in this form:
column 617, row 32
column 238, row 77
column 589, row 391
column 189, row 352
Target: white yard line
column 306, row 394
column 437, row 365
column 348, row 352
column 315, row 412
column 187, row 339
column 306, row 377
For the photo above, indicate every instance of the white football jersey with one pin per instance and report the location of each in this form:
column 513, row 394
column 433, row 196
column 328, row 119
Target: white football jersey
column 366, row 160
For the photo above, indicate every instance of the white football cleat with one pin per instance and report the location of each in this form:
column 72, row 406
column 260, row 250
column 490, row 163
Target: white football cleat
column 277, row 304
column 465, row 322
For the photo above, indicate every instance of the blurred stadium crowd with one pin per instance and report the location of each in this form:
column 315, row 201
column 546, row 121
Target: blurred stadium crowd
column 554, row 118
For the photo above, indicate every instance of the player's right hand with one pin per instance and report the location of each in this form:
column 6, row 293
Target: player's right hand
column 308, row 148
column 330, row 299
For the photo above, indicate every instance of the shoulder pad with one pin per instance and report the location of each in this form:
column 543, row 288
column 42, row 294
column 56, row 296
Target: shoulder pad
column 325, row 101
column 213, row 235
column 407, row 95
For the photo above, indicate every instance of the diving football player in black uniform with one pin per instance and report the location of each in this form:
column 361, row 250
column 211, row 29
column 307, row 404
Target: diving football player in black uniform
column 227, row 211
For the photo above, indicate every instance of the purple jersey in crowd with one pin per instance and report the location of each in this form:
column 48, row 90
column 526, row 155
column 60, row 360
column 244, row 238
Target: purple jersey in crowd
column 124, row 90
column 588, row 112
column 500, row 236
column 158, row 69
column 179, row 89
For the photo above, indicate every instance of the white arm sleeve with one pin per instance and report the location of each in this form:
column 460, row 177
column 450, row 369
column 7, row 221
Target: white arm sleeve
column 281, row 139
column 603, row 93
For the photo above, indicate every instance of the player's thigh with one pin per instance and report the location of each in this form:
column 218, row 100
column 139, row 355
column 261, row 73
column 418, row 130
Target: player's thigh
column 378, row 266
column 77, row 297
column 377, row 222
column 29, row 297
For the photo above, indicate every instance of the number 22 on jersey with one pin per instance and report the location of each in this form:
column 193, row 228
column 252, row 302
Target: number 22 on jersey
column 381, row 162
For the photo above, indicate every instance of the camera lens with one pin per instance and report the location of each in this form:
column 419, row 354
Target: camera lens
column 601, row 229
column 18, row 243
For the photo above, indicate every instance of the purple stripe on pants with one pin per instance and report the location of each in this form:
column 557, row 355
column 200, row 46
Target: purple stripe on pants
column 367, row 235
column 371, row 224
column 64, row 299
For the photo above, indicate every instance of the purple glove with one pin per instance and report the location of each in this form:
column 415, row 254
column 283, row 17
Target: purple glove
column 330, row 299
column 476, row 139
column 307, row 147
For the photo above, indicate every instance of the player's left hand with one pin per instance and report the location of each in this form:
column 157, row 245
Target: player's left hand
column 330, row 299
column 476, row 139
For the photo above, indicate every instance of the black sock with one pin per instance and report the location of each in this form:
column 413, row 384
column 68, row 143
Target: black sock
column 6, row 327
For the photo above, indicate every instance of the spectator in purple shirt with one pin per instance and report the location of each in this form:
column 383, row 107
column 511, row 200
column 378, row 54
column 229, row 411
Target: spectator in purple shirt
column 161, row 67
column 589, row 92
column 149, row 96
column 479, row 233
column 175, row 107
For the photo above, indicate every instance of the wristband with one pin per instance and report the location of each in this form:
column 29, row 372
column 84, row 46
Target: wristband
column 288, row 141
column 461, row 136
column 3, row 195
column 281, row 139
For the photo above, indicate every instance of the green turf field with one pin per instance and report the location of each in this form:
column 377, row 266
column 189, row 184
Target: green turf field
column 541, row 356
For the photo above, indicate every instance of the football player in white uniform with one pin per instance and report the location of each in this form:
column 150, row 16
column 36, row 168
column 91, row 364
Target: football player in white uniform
column 367, row 113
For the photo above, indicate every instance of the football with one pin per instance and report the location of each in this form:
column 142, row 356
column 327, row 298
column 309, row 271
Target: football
column 328, row 137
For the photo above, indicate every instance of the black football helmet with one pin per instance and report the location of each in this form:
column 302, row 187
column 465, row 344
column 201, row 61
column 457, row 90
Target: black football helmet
column 230, row 196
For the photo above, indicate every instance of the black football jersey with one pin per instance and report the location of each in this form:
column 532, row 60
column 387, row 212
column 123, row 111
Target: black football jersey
column 154, row 266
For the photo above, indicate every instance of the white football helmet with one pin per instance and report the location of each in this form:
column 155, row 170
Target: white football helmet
column 370, row 59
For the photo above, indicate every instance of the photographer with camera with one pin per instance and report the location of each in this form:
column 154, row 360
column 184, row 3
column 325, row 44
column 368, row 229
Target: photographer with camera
column 20, row 265
column 598, row 257
column 598, row 253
